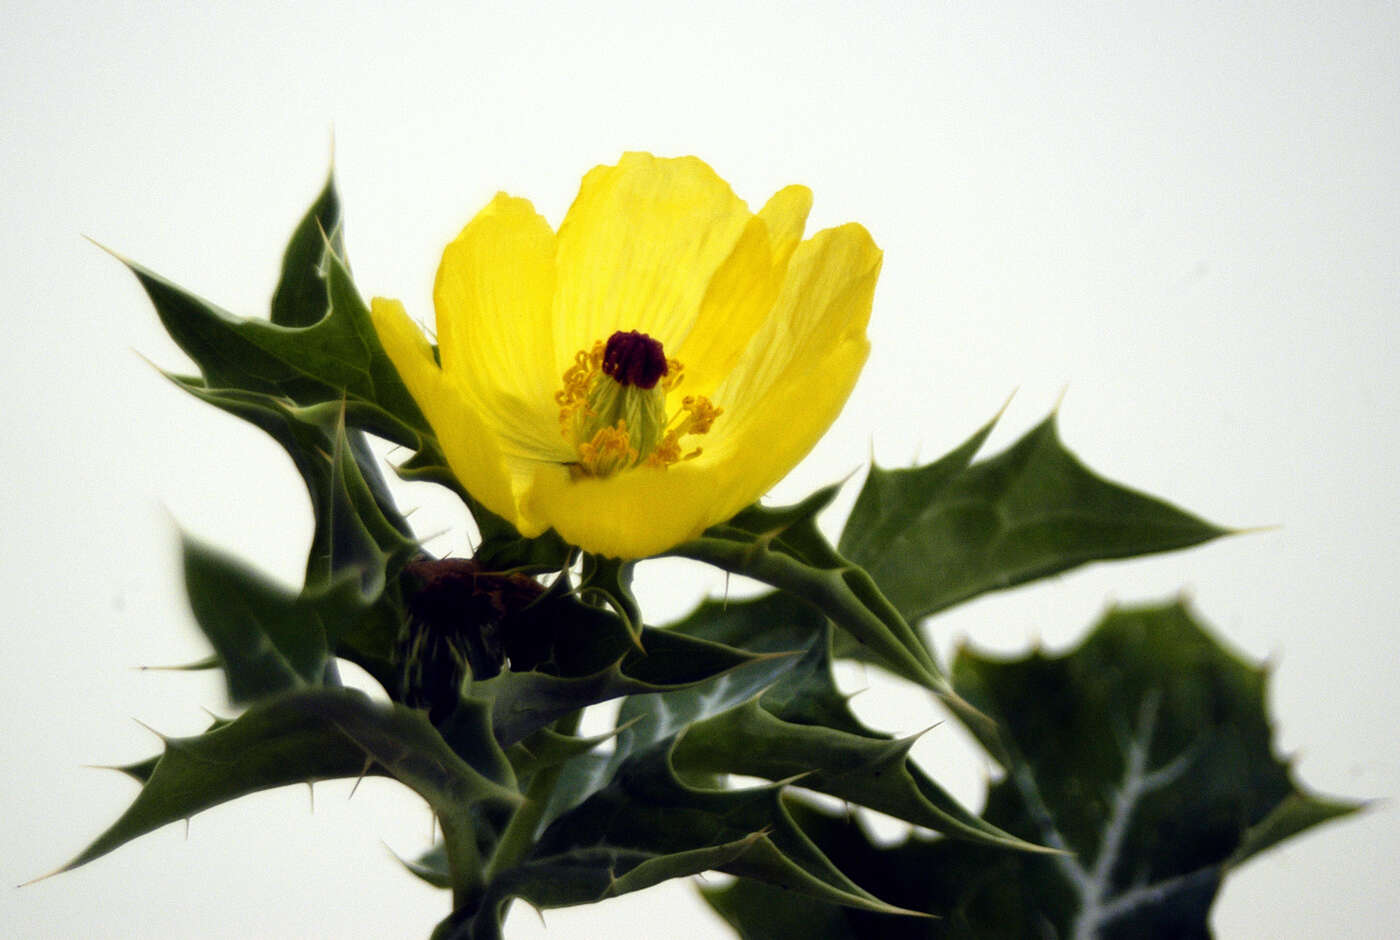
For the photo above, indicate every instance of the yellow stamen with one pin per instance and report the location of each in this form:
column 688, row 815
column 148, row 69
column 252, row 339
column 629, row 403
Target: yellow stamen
column 609, row 451
column 591, row 402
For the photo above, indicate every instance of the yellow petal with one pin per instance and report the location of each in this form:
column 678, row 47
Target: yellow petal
column 743, row 290
column 800, row 368
column 826, row 299
column 786, row 216
column 793, row 417
column 472, row 451
column 638, row 249
column 494, row 295
column 634, row 514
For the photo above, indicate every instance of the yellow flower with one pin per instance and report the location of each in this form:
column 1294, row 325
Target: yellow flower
column 647, row 371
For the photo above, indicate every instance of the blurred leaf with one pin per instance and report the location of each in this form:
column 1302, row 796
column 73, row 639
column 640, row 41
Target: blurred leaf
column 355, row 554
column 268, row 640
column 298, row 737
column 936, row 535
column 352, row 529
column 1145, row 752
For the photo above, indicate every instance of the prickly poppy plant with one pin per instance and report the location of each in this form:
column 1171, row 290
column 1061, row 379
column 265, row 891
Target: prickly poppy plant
column 630, row 385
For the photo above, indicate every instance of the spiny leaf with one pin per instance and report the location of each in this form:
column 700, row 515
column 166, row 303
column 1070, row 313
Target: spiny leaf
column 301, row 298
column 267, row 639
column 858, row 769
column 648, row 719
column 647, row 815
column 523, row 702
column 354, row 540
column 782, row 547
column 313, row 734
column 337, row 357
column 352, row 528
column 936, row 535
column 805, row 694
column 1145, row 752
column 801, row 725
column 609, row 580
column 548, row 748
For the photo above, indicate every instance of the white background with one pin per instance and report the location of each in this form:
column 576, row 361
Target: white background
column 1186, row 214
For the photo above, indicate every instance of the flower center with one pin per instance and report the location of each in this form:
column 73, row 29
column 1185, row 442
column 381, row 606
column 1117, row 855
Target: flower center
column 612, row 408
column 634, row 359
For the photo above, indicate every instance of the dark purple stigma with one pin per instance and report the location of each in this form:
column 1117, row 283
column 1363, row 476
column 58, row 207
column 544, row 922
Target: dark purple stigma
column 634, row 358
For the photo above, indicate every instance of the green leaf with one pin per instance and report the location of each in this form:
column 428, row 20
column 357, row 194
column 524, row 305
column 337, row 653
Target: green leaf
column 299, row 737
column 353, row 530
column 936, row 535
column 1146, row 753
column 647, row 826
column 268, row 640
column 805, row 694
column 862, row 770
column 609, row 581
column 301, row 298
column 548, row 748
column 354, row 540
column 758, row 911
column 339, row 357
column 782, row 547
column 594, row 658
column 801, row 727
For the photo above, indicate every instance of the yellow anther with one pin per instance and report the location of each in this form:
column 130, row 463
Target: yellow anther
column 616, row 425
column 609, row 451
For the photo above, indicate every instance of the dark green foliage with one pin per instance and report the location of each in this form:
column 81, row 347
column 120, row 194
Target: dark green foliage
column 936, row 535
column 1145, row 755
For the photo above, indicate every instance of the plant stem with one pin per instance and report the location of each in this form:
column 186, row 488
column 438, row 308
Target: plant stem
column 463, row 862
column 519, row 834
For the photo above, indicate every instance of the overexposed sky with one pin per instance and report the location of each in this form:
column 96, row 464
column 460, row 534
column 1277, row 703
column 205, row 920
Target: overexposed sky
column 1183, row 216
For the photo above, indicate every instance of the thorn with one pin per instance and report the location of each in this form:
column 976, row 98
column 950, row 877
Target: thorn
column 1006, row 404
column 363, row 771
column 111, row 251
column 1254, row 529
column 163, row 738
column 187, row 828
column 43, row 877
column 724, row 603
column 912, row 739
column 311, row 795
column 1060, row 400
